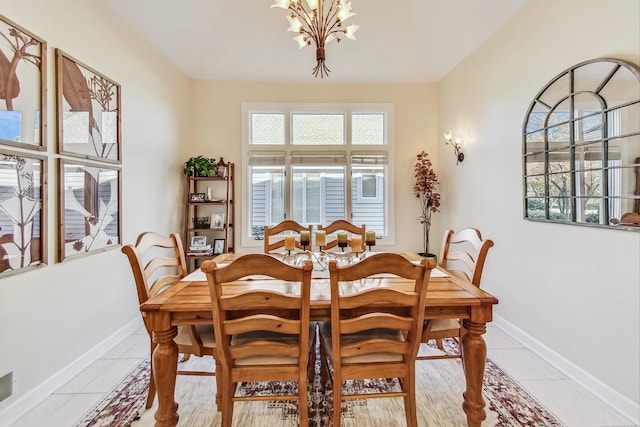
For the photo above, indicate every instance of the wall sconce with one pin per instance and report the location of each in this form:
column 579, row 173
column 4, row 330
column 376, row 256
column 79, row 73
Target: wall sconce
column 455, row 143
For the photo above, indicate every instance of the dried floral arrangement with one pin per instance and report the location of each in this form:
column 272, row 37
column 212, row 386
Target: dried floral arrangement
column 425, row 189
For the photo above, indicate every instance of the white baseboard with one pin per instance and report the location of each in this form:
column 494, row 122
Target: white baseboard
column 613, row 398
column 30, row 399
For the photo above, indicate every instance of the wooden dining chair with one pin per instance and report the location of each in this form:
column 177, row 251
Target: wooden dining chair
column 463, row 254
column 343, row 225
column 271, row 243
column 157, row 263
column 263, row 335
column 374, row 331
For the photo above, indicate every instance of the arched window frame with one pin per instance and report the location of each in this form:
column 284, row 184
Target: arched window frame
column 582, row 165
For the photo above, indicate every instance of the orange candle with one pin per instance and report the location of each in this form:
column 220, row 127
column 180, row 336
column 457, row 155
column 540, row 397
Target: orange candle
column 289, row 242
column 321, row 238
column 356, row 243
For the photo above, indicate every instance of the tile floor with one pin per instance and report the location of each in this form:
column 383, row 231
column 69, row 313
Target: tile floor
column 568, row 401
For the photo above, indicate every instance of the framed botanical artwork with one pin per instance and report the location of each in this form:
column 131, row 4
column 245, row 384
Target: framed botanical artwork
column 89, row 211
column 23, row 87
column 88, row 111
column 23, row 234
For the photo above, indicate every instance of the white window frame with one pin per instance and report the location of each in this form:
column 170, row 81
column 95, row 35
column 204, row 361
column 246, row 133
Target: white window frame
column 246, row 238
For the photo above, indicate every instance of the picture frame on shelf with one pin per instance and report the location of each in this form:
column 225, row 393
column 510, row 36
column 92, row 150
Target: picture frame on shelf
column 217, row 220
column 88, row 111
column 218, row 246
column 197, row 197
column 199, row 241
column 23, row 107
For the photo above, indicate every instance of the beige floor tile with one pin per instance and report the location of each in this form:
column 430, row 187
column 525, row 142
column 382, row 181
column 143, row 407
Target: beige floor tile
column 523, row 364
column 573, row 404
column 100, row 377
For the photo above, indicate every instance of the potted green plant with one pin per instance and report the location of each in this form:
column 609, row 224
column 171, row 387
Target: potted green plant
column 425, row 189
column 201, row 166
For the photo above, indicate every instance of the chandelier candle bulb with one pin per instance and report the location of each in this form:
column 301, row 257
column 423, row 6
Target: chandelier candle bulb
column 370, row 237
column 289, row 242
column 305, row 238
column 356, row 243
column 321, row 238
column 342, row 239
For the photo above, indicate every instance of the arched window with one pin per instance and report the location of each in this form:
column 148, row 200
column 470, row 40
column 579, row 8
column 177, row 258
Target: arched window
column 581, row 145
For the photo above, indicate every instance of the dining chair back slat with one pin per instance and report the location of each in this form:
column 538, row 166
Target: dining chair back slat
column 365, row 322
column 259, row 300
column 265, row 322
column 466, row 247
column 371, row 296
column 343, row 225
column 271, row 243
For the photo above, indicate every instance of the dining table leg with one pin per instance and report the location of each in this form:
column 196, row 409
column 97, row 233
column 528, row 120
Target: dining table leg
column 165, row 365
column 474, row 356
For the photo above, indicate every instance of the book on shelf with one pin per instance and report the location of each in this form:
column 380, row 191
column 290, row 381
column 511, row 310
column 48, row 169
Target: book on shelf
column 200, row 248
column 209, row 252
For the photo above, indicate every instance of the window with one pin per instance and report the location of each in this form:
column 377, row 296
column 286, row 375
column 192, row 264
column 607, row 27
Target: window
column 315, row 164
column 581, row 143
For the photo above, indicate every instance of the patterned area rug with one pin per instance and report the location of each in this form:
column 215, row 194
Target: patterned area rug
column 439, row 387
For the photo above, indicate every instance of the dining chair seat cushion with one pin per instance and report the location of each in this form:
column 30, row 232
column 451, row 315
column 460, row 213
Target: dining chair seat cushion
column 390, row 334
column 269, row 336
column 444, row 324
column 205, row 331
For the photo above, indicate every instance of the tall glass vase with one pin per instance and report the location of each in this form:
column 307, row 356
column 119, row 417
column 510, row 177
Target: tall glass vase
column 425, row 237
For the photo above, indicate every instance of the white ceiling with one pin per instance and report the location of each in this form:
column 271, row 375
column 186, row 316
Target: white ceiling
column 401, row 41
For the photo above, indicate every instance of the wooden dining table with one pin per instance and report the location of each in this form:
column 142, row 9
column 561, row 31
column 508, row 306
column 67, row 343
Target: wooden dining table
column 189, row 303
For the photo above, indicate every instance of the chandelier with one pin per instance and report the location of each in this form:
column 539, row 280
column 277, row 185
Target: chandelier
column 317, row 22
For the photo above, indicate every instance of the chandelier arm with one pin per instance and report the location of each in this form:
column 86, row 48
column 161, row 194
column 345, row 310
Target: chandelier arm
column 334, row 30
column 320, row 20
column 308, row 20
column 301, row 13
column 331, row 16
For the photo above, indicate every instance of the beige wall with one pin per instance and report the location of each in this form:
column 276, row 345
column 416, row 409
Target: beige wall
column 218, row 131
column 52, row 316
column 573, row 289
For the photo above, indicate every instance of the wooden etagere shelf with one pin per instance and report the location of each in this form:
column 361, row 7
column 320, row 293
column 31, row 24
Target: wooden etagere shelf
column 218, row 205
